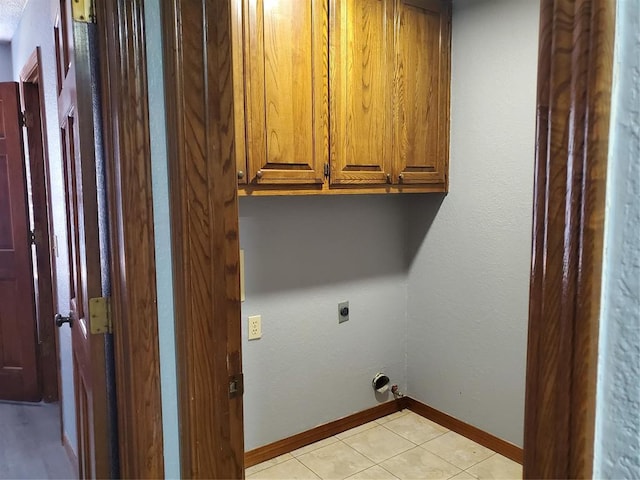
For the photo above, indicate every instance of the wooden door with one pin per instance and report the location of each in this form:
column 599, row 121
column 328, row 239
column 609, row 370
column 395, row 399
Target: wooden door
column 286, row 90
column 421, row 138
column 79, row 163
column 361, row 61
column 18, row 357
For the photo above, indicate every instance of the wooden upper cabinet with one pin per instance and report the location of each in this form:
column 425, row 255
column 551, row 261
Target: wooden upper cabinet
column 422, row 76
column 356, row 89
column 361, row 75
column 286, row 90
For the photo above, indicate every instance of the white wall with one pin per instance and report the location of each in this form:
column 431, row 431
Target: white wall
column 36, row 29
column 470, row 256
column 6, row 66
column 304, row 255
column 617, row 445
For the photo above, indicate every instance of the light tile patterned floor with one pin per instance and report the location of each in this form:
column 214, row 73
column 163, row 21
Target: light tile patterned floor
column 400, row 446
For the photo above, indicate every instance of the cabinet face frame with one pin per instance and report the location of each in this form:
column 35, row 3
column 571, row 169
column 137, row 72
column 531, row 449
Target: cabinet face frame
column 237, row 59
column 361, row 92
column 265, row 106
column 430, row 167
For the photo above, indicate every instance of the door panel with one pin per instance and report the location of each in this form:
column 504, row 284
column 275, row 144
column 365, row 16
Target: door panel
column 421, row 137
column 76, row 119
column 361, row 61
column 286, row 90
column 18, row 341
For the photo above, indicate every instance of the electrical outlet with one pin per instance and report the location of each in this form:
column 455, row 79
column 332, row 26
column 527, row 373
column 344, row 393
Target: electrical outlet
column 343, row 312
column 255, row 327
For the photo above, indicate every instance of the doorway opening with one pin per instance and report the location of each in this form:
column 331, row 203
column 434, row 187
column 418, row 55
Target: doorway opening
column 34, row 414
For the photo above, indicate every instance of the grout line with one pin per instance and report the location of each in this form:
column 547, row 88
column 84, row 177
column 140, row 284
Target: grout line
column 379, row 464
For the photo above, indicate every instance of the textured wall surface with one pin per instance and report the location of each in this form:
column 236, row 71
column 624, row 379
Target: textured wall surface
column 36, row 29
column 617, row 449
column 458, row 265
column 162, row 231
column 302, row 257
column 6, row 66
column 469, row 258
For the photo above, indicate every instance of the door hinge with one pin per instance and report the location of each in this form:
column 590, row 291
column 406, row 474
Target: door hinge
column 100, row 315
column 83, row 11
column 22, row 119
column 326, row 170
column 236, row 385
column 32, row 237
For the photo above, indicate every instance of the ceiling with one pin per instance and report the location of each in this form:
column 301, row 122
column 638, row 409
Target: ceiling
column 10, row 13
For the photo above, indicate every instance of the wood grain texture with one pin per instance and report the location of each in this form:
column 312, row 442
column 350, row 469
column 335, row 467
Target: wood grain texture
column 286, row 445
column 81, row 158
column 389, row 74
column 574, row 90
column 345, row 189
column 134, row 309
column 286, row 90
column 204, row 217
column 479, row 436
column 361, row 87
column 36, row 132
column 237, row 52
column 421, row 103
column 18, row 340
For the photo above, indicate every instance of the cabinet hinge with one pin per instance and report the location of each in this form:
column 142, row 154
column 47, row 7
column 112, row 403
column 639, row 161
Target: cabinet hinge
column 236, row 385
column 32, row 237
column 100, row 315
column 83, row 11
column 326, row 170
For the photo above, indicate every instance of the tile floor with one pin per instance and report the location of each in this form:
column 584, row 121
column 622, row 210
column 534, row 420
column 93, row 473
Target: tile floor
column 400, row 446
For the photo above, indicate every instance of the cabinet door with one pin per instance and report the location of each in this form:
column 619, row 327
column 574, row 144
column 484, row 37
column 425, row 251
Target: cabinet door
column 238, row 90
column 361, row 76
column 286, row 83
column 421, row 137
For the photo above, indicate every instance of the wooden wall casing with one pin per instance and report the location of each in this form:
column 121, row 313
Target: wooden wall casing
column 33, row 102
column 132, row 244
column 205, row 244
column 574, row 91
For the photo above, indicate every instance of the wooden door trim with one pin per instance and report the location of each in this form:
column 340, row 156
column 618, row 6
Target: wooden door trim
column 121, row 31
column 573, row 110
column 204, row 219
column 48, row 350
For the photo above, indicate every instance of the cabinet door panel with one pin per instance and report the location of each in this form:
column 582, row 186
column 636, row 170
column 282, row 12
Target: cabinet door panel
column 287, row 90
column 237, row 55
column 361, row 66
column 422, row 91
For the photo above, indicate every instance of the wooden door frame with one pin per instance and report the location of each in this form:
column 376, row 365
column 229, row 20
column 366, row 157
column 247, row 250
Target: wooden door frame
column 205, row 243
column 573, row 110
column 574, row 90
column 39, row 178
column 125, row 125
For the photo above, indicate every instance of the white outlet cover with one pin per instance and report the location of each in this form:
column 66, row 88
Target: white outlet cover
column 255, row 327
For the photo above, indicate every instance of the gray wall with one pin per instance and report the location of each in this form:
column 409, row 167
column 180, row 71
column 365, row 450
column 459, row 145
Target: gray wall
column 36, row 29
column 469, row 253
column 617, row 446
column 162, row 233
column 440, row 298
column 6, row 66
column 304, row 255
